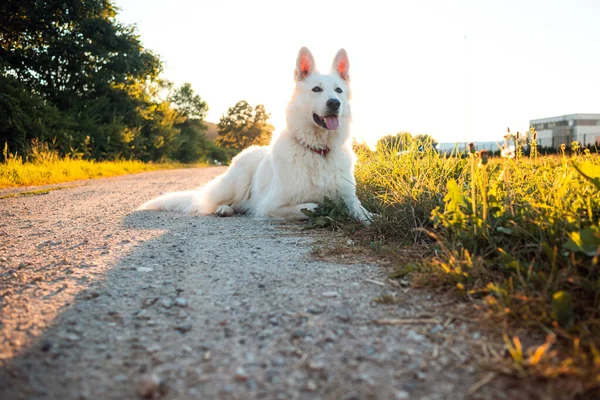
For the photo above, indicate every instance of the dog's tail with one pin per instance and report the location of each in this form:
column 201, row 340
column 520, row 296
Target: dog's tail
column 186, row 202
column 203, row 201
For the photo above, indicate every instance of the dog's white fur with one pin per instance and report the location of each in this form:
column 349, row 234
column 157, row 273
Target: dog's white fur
column 289, row 175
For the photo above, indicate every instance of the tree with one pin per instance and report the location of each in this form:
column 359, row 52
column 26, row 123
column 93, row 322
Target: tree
column 426, row 140
column 71, row 74
column 66, row 50
column 191, row 144
column 360, row 147
column 75, row 76
column 398, row 142
column 244, row 126
column 404, row 141
column 25, row 117
column 189, row 104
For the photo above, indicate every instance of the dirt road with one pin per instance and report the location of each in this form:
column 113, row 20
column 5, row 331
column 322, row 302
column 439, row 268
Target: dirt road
column 99, row 301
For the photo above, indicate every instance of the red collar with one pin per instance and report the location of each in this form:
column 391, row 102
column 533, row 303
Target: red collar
column 322, row 152
column 317, row 150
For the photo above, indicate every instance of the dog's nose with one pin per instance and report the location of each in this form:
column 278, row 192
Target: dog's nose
column 333, row 104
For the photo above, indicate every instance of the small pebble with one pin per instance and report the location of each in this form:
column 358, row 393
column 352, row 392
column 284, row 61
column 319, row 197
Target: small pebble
column 278, row 361
column 436, row 329
column 142, row 315
column 148, row 386
column 45, row 345
column 272, row 376
column 240, row 375
column 401, row 395
column 417, row 337
column 315, row 310
column 186, row 349
column 316, row 365
column 181, row 302
column 72, row 337
column 183, row 328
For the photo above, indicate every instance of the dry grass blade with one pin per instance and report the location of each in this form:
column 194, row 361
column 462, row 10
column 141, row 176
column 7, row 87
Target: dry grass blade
column 302, row 361
column 481, row 383
column 408, row 321
column 297, row 314
column 375, row 282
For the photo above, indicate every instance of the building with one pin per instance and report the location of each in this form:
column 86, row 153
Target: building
column 554, row 131
column 462, row 146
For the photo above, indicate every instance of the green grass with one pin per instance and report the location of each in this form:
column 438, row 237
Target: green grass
column 46, row 167
column 521, row 234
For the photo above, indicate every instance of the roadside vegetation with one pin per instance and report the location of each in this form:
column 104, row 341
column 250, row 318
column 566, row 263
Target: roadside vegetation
column 44, row 166
column 518, row 234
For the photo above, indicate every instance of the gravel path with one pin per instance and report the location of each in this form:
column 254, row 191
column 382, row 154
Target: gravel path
column 101, row 302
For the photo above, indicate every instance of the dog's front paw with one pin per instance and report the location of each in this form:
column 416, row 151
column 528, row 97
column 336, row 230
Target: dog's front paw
column 363, row 215
column 309, row 206
column 224, row 211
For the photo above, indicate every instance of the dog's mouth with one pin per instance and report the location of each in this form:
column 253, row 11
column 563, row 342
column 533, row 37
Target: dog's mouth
column 330, row 122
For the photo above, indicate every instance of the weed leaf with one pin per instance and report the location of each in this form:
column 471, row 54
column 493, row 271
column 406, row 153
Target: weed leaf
column 562, row 309
column 589, row 171
column 586, row 241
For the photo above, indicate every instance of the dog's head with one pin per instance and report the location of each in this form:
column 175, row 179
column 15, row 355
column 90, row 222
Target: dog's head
column 322, row 99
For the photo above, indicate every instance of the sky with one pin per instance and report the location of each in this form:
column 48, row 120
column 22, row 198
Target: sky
column 460, row 71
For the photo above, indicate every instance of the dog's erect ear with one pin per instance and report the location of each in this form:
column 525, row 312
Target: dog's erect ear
column 305, row 64
column 341, row 65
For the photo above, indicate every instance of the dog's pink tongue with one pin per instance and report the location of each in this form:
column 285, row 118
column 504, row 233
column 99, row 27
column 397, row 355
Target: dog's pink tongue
column 332, row 122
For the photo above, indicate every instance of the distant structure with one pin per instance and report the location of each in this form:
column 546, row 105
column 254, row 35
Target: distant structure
column 554, row 131
column 462, row 146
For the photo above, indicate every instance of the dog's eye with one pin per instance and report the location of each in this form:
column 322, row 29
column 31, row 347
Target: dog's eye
column 339, row 90
column 317, row 89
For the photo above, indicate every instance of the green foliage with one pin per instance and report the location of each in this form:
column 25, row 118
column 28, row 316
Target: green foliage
column 403, row 141
column 45, row 166
column 585, row 241
column 521, row 232
column 244, row 126
column 327, row 215
column 71, row 74
column 68, row 50
column 589, row 171
column 455, row 205
column 404, row 188
column 391, row 143
column 562, row 309
column 25, row 116
column 188, row 103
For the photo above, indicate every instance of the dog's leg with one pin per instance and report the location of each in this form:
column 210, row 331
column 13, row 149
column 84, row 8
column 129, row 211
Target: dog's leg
column 347, row 190
column 291, row 212
column 358, row 212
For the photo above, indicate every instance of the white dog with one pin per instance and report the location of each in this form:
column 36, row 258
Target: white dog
column 312, row 157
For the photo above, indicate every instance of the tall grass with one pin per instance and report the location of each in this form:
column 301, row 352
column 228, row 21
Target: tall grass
column 520, row 232
column 45, row 166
